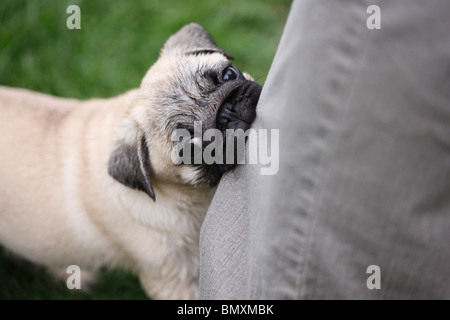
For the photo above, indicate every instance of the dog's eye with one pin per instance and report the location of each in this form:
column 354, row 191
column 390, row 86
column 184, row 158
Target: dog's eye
column 229, row 74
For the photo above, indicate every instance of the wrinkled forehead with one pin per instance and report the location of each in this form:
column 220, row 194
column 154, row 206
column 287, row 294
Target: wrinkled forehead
column 205, row 59
column 186, row 65
column 199, row 65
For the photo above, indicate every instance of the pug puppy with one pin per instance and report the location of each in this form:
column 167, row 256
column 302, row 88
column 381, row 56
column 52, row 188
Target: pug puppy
column 92, row 183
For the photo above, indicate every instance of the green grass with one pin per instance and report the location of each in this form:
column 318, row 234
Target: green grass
column 117, row 43
column 20, row 279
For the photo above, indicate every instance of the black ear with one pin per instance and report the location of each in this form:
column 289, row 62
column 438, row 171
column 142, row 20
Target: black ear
column 130, row 165
column 192, row 39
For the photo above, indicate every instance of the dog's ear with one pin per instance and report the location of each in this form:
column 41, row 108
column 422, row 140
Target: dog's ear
column 192, row 39
column 130, row 164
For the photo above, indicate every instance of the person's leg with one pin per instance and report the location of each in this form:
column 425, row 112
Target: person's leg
column 223, row 243
column 364, row 178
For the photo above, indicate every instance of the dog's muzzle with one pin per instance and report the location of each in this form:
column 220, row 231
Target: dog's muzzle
column 238, row 111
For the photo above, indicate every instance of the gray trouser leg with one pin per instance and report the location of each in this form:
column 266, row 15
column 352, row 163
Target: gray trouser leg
column 364, row 176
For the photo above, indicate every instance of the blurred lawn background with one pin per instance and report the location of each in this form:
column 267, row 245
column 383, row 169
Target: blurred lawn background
column 117, row 43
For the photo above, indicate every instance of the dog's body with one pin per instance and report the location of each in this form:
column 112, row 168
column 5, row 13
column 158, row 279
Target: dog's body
column 78, row 179
column 60, row 207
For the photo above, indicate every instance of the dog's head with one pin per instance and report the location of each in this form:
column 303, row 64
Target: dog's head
column 193, row 81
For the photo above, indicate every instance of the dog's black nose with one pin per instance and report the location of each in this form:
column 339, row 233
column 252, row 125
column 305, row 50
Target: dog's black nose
column 239, row 109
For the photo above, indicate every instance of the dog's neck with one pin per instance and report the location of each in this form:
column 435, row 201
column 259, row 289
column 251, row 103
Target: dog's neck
column 176, row 204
